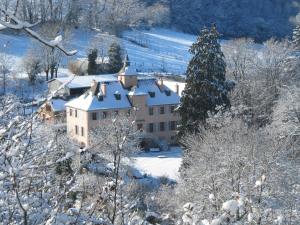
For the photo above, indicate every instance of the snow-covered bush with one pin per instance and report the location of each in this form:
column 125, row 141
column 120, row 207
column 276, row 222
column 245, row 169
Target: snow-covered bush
column 32, row 66
column 234, row 162
column 259, row 74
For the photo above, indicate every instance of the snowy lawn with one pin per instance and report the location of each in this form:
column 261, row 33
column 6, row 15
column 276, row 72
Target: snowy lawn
column 159, row 164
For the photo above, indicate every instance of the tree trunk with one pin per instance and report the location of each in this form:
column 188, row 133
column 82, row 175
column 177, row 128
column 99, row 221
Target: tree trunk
column 52, row 69
column 56, row 70
column 47, row 74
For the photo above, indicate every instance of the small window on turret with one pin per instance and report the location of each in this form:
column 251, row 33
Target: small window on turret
column 152, row 94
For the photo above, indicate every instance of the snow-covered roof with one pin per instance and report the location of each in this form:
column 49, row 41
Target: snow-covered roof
column 128, row 70
column 160, row 97
column 58, row 105
column 155, row 96
column 172, row 85
column 86, row 81
column 135, row 91
column 89, row 101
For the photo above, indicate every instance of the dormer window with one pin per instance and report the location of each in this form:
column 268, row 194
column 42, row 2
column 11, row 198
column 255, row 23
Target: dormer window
column 117, row 95
column 152, row 94
column 168, row 92
column 100, row 97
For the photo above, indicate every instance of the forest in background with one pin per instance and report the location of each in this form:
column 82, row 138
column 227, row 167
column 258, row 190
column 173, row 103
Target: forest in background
column 257, row 19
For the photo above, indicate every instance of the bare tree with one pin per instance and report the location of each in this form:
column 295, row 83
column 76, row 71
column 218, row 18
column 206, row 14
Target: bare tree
column 50, row 57
column 32, row 66
column 231, row 161
column 5, row 67
column 259, row 73
column 21, row 25
column 115, row 16
column 115, row 141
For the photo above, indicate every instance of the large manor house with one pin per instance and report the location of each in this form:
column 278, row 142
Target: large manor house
column 87, row 102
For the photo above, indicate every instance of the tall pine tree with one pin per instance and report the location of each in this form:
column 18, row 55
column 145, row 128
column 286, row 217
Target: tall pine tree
column 115, row 58
column 206, row 86
column 296, row 36
column 92, row 65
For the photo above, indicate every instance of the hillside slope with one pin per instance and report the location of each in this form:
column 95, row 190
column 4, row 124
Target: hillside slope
column 260, row 19
column 155, row 50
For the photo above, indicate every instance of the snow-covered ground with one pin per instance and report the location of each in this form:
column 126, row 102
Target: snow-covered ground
column 159, row 50
column 155, row 50
column 159, row 164
column 151, row 51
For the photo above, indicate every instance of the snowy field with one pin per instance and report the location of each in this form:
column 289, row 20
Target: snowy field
column 159, row 50
column 155, row 50
column 151, row 51
column 160, row 164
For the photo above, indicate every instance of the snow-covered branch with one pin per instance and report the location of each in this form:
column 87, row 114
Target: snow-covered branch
column 23, row 25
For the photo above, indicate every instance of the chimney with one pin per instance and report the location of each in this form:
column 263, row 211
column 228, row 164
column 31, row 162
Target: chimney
column 94, row 83
column 103, row 89
column 160, row 83
column 177, row 88
column 94, row 86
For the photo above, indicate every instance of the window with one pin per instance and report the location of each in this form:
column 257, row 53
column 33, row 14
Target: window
column 162, row 126
column 82, row 131
column 100, row 97
column 152, row 94
column 168, row 92
column 172, row 109
column 94, row 116
column 162, row 110
column 76, row 113
column 71, row 112
column 151, row 127
column 151, row 111
column 117, row 96
column 76, row 129
column 172, row 125
column 140, row 126
column 104, row 115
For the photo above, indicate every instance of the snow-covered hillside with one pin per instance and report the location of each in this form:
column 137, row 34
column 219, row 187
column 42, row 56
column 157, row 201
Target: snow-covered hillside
column 154, row 50
column 159, row 50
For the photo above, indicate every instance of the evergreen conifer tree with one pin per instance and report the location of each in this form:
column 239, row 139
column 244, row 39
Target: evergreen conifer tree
column 206, row 86
column 92, row 65
column 115, row 58
column 296, row 36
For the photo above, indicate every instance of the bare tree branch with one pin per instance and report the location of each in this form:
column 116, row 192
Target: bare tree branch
column 23, row 25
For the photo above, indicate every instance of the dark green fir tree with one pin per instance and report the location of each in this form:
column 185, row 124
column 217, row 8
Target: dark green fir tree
column 92, row 65
column 115, row 58
column 206, row 85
